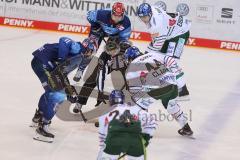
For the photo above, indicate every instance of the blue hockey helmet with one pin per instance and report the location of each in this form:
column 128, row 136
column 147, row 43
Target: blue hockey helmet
column 131, row 53
column 144, row 12
column 116, row 97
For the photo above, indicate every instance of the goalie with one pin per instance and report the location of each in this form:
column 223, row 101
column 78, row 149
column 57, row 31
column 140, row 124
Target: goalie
column 112, row 59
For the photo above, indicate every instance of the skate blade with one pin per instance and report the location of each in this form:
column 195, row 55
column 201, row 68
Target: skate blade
column 189, row 137
column 183, row 98
column 42, row 138
column 33, row 125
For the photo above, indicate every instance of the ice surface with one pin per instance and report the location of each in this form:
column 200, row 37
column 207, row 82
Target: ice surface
column 213, row 79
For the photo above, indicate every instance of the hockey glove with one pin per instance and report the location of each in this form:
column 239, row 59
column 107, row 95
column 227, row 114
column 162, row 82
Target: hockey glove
column 146, row 138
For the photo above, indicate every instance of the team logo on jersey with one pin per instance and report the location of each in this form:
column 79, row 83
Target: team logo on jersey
column 106, row 122
column 183, row 9
column 120, row 27
column 143, row 76
column 135, row 118
column 172, row 22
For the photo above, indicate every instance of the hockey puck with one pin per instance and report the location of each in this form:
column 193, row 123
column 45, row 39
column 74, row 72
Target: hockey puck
column 96, row 124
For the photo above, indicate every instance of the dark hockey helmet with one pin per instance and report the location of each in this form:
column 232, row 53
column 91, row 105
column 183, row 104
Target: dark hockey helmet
column 116, row 97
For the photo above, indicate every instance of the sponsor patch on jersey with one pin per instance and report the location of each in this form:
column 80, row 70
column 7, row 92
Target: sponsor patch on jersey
column 154, row 35
column 120, row 27
column 106, row 122
column 145, row 57
column 172, row 22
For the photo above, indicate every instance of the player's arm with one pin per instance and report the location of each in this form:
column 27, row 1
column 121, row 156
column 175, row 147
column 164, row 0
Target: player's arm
column 148, row 125
column 159, row 34
column 103, row 129
column 157, row 42
column 125, row 34
column 64, row 48
column 102, row 132
column 92, row 17
column 81, row 67
column 171, row 64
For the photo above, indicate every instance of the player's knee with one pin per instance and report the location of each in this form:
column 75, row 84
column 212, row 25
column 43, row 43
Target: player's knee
column 172, row 106
column 57, row 97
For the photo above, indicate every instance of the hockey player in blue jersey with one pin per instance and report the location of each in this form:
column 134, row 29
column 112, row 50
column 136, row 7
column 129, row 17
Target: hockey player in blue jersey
column 113, row 24
column 110, row 23
column 52, row 63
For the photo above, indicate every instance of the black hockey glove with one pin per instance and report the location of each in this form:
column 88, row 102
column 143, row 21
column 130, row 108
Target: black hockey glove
column 147, row 138
column 72, row 99
column 97, row 31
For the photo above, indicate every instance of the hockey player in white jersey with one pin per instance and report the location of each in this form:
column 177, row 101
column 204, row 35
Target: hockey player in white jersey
column 169, row 33
column 151, row 77
column 125, row 130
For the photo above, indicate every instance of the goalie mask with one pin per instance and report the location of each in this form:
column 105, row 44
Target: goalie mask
column 112, row 48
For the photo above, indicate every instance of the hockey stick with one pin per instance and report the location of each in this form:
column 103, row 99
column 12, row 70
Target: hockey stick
column 74, row 91
column 80, row 107
column 122, row 156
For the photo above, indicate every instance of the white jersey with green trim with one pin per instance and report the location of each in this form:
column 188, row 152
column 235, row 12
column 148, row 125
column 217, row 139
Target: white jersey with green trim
column 164, row 27
column 149, row 72
column 148, row 124
column 152, row 70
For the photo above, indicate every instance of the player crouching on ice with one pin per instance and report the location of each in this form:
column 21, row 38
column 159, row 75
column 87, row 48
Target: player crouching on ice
column 125, row 130
column 52, row 63
column 151, row 77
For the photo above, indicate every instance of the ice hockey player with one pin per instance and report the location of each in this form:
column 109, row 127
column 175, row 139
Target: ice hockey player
column 126, row 130
column 113, row 24
column 151, row 77
column 108, row 23
column 169, row 33
column 111, row 59
column 52, row 63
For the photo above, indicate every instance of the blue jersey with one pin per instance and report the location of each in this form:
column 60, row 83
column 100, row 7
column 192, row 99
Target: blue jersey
column 102, row 18
column 59, row 52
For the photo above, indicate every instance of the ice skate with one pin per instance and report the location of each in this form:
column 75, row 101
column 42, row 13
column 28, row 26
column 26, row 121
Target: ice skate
column 43, row 134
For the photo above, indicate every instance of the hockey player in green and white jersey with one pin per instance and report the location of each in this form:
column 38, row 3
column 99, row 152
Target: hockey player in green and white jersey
column 125, row 130
column 151, row 77
column 169, row 33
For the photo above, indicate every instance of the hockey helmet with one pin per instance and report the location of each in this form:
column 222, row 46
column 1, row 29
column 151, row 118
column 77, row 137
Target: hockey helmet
column 116, row 97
